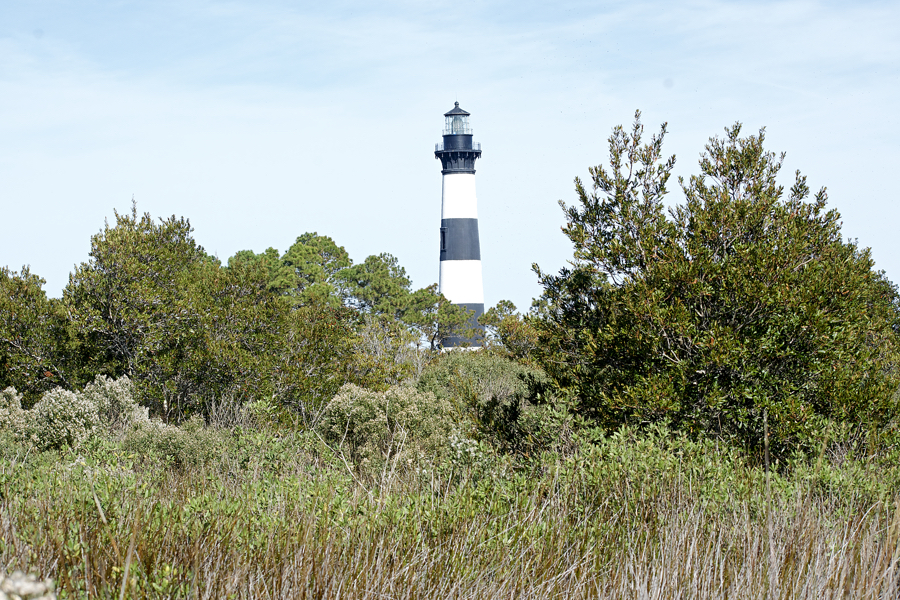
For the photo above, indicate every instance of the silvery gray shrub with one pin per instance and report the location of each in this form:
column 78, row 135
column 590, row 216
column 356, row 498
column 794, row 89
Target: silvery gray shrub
column 115, row 402
column 191, row 444
column 12, row 417
column 61, row 418
column 377, row 426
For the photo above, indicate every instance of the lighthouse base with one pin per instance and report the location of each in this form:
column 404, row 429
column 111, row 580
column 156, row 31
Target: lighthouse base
column 476, row 331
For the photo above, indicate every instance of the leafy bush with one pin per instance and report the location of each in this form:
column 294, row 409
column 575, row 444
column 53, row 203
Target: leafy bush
column 493, row 395
column 741, row 310
column 508, row 331
column 386, row 353
column 490, row 375
column 400, row 423
column 191, row 444
column 114, row 398
column 12, row 417
column 61, row 418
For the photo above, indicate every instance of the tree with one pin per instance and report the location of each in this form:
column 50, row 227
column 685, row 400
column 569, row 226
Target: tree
column 387, row 351
column 282, row 278
column 126, row 299
column 378, row 284
column 316, row 261
column 33, row 336
column 151, row 304
column 232, row 334
column 741, row 305
column 504, row 326
column 314, row 356
column 436, row 318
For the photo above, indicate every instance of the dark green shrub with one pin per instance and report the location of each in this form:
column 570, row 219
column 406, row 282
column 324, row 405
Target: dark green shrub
column 741, row 306
column 493, row 397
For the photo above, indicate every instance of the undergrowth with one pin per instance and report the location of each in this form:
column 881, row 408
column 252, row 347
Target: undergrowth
column 279, row 512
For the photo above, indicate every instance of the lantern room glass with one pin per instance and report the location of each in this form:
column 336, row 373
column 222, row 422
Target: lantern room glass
column 457, row 125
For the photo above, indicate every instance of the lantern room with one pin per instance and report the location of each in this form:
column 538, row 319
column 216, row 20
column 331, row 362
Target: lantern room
column 457, row 121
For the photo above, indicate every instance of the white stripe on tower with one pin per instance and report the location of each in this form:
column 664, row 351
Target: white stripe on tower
column 458, row 200
column 461, row 281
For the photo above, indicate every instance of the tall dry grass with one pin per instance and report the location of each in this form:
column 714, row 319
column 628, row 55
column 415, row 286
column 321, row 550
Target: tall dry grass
column 274, row 518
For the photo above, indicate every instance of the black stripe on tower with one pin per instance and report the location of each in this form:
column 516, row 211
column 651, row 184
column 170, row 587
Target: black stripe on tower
column 454, row 341
column 459, row 239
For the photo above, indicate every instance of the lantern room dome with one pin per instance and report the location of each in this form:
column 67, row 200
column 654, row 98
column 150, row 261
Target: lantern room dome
column 456, row 110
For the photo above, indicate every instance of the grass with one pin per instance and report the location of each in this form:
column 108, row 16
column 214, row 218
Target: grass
column 281, row 515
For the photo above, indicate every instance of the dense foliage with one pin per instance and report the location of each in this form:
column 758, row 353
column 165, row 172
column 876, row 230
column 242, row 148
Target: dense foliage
column 387, row 429
column 741, row 310
column 315, row 271
column 152, row 305
column 33, row 335
column 493, row 401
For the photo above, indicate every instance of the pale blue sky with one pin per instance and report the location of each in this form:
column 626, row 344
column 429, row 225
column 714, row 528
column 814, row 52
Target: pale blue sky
column 262, row 120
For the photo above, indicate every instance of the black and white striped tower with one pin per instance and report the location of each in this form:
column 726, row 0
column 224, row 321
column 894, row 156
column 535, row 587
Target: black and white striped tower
column 460, row 279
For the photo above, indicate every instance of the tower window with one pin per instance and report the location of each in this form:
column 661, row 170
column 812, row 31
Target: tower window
column 443, row 239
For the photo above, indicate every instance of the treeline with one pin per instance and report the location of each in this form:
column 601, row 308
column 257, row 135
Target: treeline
column 741, row 314
column 152, row 305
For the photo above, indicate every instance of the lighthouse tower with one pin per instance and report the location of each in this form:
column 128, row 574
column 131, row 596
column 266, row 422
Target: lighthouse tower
column 460, row 279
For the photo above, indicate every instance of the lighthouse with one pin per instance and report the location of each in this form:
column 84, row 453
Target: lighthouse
column 460, row 278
